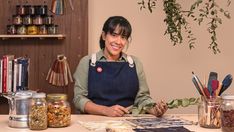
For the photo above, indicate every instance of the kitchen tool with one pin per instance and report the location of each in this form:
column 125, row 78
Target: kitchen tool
column 212, row 76
column 219, row 88
column 214, row 85
column 226, row 83
column 196, row 85
column 59, row 74
column 207, row 93
column 199, row 84
column 19, row 108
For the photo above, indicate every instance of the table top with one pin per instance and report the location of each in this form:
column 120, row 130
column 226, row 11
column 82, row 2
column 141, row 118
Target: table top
column 75, row 126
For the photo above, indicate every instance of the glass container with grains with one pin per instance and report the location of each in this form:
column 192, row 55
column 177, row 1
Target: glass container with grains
column 59, row 110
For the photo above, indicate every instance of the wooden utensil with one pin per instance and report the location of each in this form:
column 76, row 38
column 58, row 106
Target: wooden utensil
column 214, row 85
column 226, row 83
column 212, row 76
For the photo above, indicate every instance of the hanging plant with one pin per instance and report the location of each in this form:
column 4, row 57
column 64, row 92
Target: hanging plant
column 211, row 11
column 176, row 19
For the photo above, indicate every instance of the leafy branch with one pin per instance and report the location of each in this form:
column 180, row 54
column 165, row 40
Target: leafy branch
column 176, row 19
column 211, row 11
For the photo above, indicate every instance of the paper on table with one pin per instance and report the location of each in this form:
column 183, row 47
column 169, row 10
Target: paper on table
column 103, row 126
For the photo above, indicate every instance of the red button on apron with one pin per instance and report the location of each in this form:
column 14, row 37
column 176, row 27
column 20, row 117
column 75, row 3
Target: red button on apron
column 99, row 69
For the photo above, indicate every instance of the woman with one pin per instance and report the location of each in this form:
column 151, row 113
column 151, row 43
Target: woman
column 110, row 82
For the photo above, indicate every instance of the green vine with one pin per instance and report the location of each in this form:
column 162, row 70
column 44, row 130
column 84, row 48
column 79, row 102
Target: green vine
column 176, row 19
column 209, row 10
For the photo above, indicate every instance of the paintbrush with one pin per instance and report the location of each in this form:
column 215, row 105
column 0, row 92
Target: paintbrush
column 199, row 84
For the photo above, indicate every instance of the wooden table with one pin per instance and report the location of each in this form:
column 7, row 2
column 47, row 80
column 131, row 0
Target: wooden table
column 76, row 127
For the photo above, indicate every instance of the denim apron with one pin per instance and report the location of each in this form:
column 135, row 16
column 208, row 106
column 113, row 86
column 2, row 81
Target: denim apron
column 112, row 83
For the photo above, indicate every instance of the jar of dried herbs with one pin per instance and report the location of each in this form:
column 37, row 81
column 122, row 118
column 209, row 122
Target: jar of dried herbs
column 59, row 110
column 38, row 112
column 227, row 113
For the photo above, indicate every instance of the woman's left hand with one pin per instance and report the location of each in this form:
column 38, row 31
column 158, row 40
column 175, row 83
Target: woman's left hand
column 159, row 109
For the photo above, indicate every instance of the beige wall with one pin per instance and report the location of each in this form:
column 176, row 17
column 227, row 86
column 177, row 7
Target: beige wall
column 168, row 68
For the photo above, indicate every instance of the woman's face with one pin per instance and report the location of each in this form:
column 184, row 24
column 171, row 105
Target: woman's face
column 114, row 44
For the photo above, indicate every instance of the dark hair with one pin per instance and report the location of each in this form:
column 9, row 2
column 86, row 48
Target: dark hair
column 110, row 26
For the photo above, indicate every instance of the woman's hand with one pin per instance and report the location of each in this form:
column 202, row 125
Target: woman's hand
column 115, row 111
column 159, row 109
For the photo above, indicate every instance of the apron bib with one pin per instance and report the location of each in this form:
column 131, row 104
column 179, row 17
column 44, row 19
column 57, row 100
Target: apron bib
column 112, row 83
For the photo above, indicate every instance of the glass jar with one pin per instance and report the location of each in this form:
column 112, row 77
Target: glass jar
column 59, row 110
column 37, row 20
column 21, row 30
column 48, row 19
column 53, row 29
column 32, row 30
column 43, row 30
column 17, row 20
column 29, row 10
column 41, row 9
column 27, row 20
column 20, row 9
column 209, row 114
column 11, row 29
column 38, row 112
column 227, row 113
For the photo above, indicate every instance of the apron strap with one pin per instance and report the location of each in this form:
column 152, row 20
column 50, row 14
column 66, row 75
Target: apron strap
column 130, row 61
column 94, row 59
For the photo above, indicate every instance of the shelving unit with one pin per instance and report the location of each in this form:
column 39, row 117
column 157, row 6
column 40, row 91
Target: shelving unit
column 58, row 36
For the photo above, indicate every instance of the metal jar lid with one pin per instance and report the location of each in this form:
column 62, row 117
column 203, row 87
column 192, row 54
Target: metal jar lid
column 57, row 97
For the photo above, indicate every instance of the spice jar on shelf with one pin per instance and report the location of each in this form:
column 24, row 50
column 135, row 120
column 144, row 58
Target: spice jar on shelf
column 17, row 20
column 53, row 29
column 48, row 19
column 37, row 20
column 227, row 113
column 42, row 30
column 209, row 114
column 32, row 30
column 21, row 30
column 11, row 29
column 20, row 9
column 27, row 20
column 38, row 112
column 59, row 110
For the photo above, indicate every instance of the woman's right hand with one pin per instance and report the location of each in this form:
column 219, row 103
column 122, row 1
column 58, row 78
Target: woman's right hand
column 115, row 111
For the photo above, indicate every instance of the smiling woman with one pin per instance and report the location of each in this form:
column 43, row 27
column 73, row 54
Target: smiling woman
column 110, row 82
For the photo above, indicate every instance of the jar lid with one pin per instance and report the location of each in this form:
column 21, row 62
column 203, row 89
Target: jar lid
column 24, row 94
column 228, row 97
column 57, row 96
column 39, row 95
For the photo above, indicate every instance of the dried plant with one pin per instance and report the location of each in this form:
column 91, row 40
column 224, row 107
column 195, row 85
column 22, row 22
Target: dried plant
column 176, row 19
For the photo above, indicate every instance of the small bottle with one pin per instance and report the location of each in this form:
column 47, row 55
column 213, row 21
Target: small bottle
column 20, row 9
column 32, row 30
column 21, row 30
column 11, row 29
column 53, row 29
column 209, row 114
column 227, row 113
column 59, row 110
column 38, row 112
column 42, row 30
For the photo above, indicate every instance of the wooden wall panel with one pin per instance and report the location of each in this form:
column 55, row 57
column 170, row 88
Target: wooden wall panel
column 42, row 53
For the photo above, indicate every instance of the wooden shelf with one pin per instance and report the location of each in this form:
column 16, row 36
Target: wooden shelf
column 58, row 36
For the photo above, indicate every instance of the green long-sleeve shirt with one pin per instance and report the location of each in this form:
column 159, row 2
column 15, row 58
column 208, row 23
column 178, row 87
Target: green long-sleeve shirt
column 143, row 100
